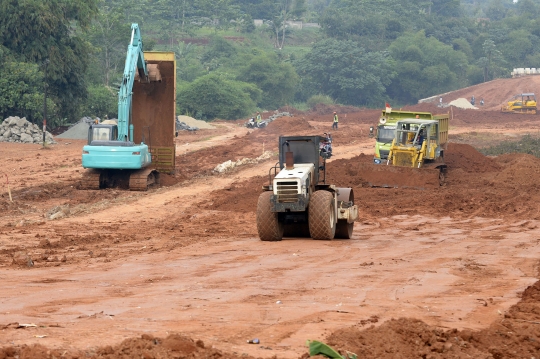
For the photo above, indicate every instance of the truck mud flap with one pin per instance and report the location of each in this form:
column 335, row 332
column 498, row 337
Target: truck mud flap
column 400, row 177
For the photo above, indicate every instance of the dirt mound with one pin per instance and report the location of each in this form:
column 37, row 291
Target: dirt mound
column 476, row 185
column 241, row 196
column 468, row 159
column 173, row 346
column 412, row 338
column 523, row 170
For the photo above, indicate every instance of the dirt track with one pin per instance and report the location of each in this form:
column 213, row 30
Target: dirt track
column 184, row 259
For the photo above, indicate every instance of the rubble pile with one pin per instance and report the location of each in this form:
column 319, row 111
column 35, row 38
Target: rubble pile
column 251, row 123
column 229, row 165
column 182, row 126
column 16, row 129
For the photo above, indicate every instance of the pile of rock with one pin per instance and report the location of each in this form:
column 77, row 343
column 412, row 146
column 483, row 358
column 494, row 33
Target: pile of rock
column 182, row 126
column 229, row 165
column 252, row 124
column 16, row 129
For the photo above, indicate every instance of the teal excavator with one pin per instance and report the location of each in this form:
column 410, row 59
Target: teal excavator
column 120, row 154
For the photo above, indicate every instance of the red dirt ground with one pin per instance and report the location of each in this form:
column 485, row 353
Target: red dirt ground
column 179, row 271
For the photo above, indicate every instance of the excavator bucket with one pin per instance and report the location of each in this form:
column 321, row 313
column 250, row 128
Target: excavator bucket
column 400, row 177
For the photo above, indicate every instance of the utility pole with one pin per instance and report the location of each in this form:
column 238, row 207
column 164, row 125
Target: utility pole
column 45, row 103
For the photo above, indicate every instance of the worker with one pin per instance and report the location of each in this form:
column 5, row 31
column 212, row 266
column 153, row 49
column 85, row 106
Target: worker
column 336, row 121
column 472, row 100
column 258, row 118
column 527, row 100
column 440, row 100
column 481, row 102
column 421, row 137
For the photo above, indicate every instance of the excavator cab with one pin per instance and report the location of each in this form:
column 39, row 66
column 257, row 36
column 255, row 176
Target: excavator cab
column 521, row 103
column 102, row 132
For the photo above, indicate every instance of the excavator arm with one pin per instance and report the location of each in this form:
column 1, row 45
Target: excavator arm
column 134, row 61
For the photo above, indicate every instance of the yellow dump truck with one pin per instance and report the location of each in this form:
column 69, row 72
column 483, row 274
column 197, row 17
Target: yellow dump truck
column 416, row 157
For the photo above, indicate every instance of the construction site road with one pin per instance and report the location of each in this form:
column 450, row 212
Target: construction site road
column 86, row 272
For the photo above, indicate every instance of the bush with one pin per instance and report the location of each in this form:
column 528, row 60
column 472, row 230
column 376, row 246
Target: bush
column 528, row 144
column 213, row 96
column 319, row 99
column 22, row 92
column 101, row 101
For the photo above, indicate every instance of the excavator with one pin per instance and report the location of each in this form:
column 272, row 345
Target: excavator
column 131, row 152
column 521, row 103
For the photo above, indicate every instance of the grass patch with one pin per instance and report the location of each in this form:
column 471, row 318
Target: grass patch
column 527, row 144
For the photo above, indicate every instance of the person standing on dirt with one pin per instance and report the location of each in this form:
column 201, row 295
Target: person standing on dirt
column 336, row 121
column 481, row 102
column 472, row 100
column 258, row 119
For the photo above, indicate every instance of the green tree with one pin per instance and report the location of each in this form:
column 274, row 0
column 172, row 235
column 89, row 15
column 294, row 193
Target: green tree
column 425, row 66
column 496, row 10
column 101, row 101
column 492, row 60
column 346, row 72
column 213, row 96
column 518, row 45
column 219, row 12
column 109, row 35
column 37, row 30
column 284, row 11
column 277, row 80
column 21, row 86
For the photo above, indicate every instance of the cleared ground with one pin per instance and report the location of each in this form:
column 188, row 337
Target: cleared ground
column 184, row 259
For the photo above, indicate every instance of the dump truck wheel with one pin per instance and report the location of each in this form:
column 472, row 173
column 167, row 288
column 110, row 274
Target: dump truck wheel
column 322, row 215
column 268, row 225
column 344, row 230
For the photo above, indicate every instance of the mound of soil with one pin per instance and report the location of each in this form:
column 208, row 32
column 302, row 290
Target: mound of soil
column 241, row 196
column 522, row 171
column 468, row 159
column 517, row 335
column 476, row 185
column 173, row 346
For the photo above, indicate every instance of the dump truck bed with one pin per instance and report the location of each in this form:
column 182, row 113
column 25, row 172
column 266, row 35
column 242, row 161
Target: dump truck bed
column 154, row 110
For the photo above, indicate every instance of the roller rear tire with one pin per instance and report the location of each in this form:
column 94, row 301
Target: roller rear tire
column 322, row 215
column 268, row 225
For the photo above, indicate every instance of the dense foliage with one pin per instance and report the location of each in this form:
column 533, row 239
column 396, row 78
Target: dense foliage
column 365, row 52
column 47, row 33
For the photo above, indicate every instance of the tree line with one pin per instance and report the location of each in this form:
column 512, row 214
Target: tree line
column 365, row 53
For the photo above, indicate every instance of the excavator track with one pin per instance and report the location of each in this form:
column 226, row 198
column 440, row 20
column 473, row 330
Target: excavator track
column 90, row 179
column 140, row 180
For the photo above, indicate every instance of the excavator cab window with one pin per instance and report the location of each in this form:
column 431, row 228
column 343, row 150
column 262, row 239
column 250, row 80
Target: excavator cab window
column 102, row 133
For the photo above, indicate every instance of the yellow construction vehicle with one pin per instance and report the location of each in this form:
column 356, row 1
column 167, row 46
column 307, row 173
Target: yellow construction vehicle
column 521, row 103
column 416, row 156
column 420, row 144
